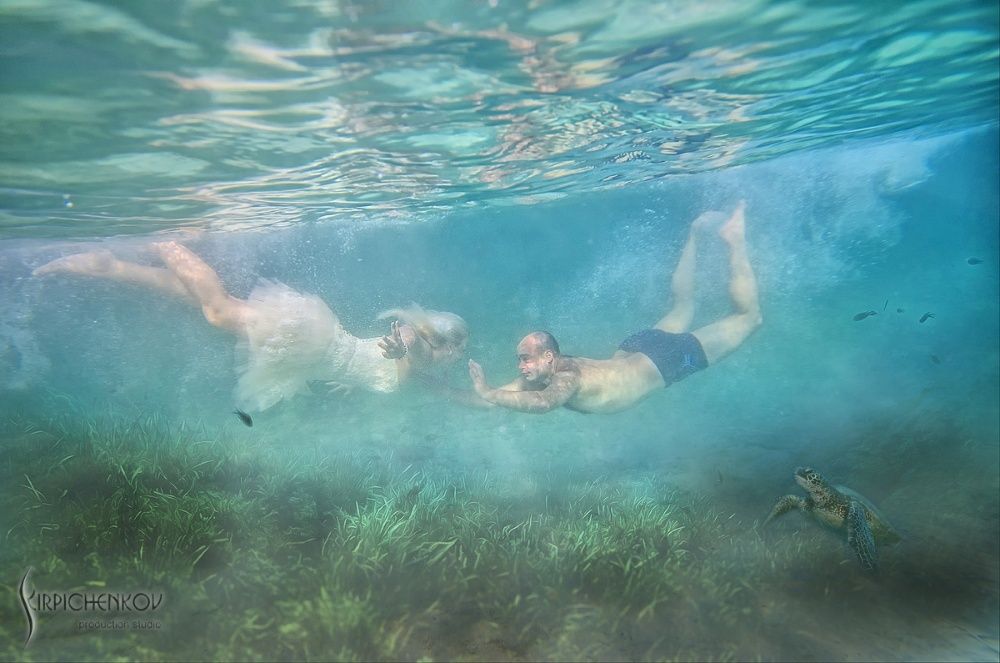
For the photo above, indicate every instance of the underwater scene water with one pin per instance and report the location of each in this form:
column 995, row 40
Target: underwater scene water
column 532, row 165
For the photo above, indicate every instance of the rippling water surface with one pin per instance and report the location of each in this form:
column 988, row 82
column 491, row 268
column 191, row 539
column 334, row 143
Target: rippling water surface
column 134, row 117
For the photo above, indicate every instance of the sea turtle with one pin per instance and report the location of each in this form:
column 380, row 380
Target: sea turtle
column 840, row 508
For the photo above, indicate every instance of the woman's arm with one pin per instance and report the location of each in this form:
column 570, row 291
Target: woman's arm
column 404, row 345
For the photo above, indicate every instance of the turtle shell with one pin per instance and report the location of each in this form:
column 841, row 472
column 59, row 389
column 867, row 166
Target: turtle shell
column 881, row 527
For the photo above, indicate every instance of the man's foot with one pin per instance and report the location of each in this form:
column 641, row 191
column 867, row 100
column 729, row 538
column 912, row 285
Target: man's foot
column 93, row 263
column 733, row 231
column 706, row 221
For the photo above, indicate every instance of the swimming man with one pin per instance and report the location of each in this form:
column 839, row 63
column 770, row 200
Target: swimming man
column 646, row 361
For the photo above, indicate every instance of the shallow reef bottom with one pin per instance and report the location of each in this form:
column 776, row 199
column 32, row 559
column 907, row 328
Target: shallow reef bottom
column 262, row 554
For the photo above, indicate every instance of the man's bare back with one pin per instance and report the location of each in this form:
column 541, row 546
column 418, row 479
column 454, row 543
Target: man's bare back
column 646, row 361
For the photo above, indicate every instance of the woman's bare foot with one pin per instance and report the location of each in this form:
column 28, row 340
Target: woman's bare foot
column 733, row 231
column 168, row 249
column 92, row 263
column 185, row 265
column 200, row 279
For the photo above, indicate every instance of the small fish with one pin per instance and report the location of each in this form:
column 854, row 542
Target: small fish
column 886, row 305
column 244, row 417
column 935, row 359
column 720, row 476
column 974, row 261
column 862, row 316
column 925, row 316
column 899, row 310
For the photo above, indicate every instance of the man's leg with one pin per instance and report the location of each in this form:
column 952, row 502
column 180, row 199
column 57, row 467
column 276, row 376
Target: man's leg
column 720, row 338
column 102, row 264
column 220, row 308
column 682, row 282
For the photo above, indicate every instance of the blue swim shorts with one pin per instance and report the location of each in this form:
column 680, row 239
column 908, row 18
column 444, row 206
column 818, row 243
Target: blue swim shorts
column 676, row 356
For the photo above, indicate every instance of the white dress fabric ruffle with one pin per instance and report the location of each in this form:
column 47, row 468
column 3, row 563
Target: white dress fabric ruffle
column 294, row 338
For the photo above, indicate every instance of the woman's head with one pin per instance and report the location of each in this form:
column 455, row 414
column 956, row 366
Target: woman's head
column 446, row 333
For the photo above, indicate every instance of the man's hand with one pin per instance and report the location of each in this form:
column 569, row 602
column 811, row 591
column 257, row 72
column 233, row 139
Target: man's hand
column 392, row 345
column 478, row 379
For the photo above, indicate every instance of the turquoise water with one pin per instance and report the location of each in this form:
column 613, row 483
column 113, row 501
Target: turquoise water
column 533, row 165
column 226, row 116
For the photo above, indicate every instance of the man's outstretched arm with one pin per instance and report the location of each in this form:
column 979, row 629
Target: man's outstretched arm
column 465, row 397
column 562, row 387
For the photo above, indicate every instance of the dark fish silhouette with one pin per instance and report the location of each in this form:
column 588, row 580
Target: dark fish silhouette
column 899, row 310
column 925, row 316
column 934, row 358
column 974, row 261
column 886, row 305
column 862, row 316
column 244, row 417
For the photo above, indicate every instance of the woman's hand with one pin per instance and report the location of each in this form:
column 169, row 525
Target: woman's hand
column 392, row 345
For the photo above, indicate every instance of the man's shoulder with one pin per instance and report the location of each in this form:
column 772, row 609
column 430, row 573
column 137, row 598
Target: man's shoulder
column 578, row 364
column 569, row 368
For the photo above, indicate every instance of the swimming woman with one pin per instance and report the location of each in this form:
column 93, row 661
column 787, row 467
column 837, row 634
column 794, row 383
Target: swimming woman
column 286, row 339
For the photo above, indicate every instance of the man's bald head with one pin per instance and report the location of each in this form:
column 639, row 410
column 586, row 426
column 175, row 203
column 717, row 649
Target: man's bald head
column 542, row 341
column 536, row 356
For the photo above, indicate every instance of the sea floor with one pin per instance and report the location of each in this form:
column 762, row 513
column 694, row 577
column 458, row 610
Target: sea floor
column 448, row 546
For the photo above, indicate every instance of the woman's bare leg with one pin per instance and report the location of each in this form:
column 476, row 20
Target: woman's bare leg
column 720, row 338
column 102, row 264
column 219, row 307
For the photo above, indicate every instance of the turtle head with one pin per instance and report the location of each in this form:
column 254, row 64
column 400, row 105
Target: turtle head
column 810, row 480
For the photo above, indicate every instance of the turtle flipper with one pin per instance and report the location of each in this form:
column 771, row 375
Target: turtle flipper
column 783, row 506
column 860, row 537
